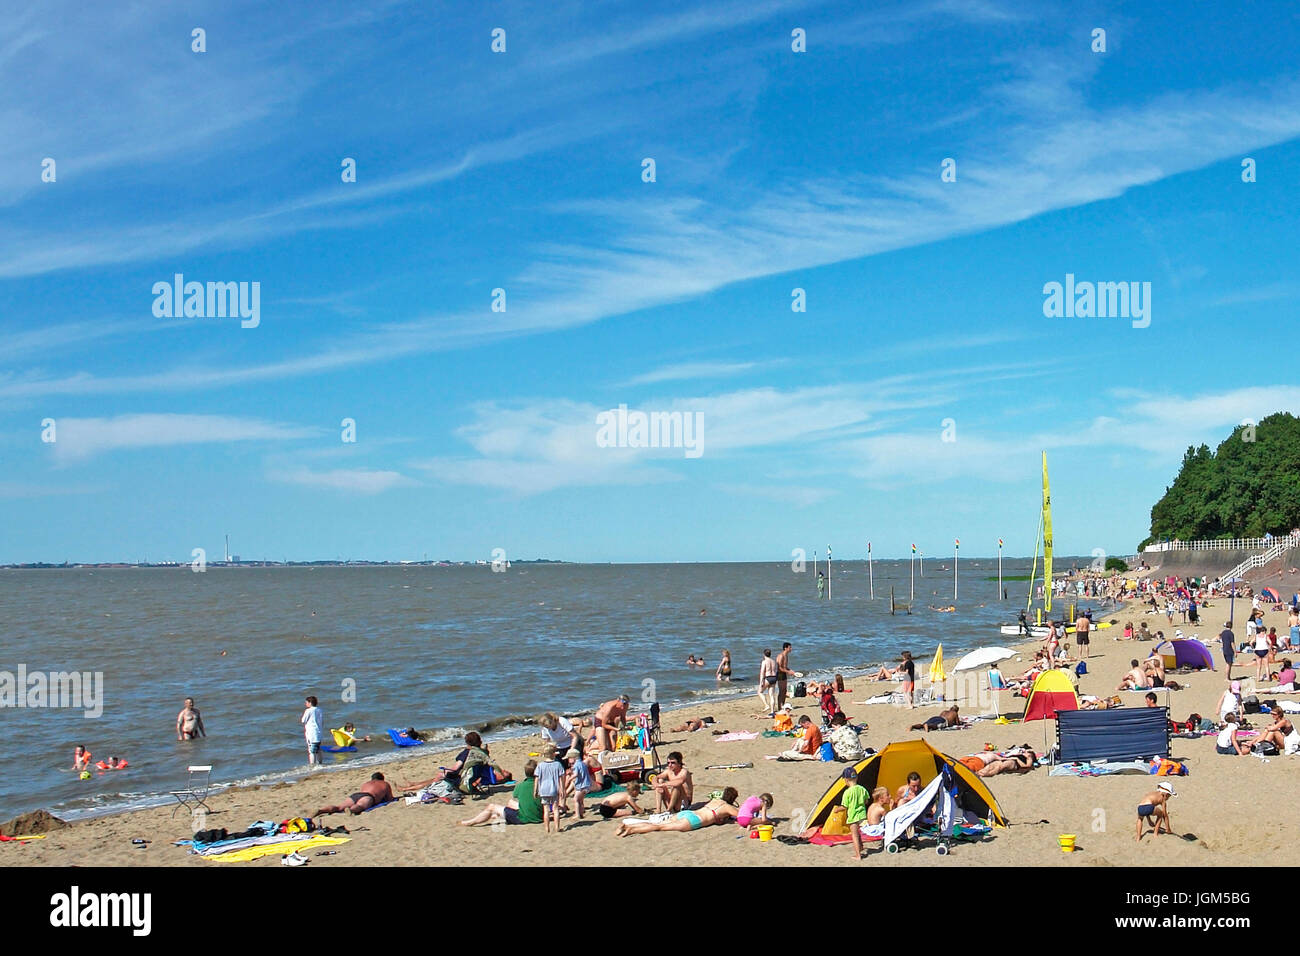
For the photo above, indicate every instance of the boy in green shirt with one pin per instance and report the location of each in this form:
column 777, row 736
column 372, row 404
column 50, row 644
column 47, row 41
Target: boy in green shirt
column 854, row 800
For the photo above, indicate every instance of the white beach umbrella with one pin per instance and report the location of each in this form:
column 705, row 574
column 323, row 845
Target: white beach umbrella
column 983, row 657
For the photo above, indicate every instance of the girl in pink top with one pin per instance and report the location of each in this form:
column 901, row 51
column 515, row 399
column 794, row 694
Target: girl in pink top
column 754, row 810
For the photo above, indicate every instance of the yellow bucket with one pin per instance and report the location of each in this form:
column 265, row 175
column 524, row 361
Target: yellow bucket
column 764, row 833
column 1067, row 842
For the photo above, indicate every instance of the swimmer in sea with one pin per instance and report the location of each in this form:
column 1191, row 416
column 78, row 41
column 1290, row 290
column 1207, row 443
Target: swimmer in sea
column 189, row 724
column 80, row 758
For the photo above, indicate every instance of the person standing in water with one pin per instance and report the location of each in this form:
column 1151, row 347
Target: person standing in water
column 313, row 725
column 821, row 584
column 724, row 667
column 189, row 725
column 782, row 672
column 767, row 683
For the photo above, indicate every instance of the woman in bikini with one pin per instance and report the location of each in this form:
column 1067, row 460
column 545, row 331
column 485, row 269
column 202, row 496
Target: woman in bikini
column 724, row 668
column 713, row 812
column 1016, row 763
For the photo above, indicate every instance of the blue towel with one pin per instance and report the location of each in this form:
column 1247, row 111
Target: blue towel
column 400, row 741
column 338, row 750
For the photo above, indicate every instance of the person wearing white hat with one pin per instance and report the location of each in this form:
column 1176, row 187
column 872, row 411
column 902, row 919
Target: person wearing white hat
column 1154, row 808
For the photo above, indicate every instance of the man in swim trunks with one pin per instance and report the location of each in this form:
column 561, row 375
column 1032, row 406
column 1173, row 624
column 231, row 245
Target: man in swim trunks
column 712, row 813
column 1081, row 628
column 674, row 788
column 948, row 718
column 373, row 792
column 189, row 724
column 782, row 672
column 609, row 720
column 1154, row 808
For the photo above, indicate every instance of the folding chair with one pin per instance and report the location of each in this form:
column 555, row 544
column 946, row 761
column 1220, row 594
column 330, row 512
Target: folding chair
column 196, row 794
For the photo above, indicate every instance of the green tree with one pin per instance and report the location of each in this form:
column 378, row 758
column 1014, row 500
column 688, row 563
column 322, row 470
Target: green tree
column 1245, row 488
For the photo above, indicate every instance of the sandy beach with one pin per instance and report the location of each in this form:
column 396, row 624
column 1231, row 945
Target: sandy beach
column 1219, row 802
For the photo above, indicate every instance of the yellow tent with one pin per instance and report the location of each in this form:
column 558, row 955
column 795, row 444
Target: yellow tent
column 890, row 768
column 937, row 676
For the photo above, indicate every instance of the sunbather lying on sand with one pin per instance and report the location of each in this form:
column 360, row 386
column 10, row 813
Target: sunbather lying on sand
column 1015, row 763
column 713, row 812
column 948, row 718
column 621, row 804
column 693, row 724
column 372, row 793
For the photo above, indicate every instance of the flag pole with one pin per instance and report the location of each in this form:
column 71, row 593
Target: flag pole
column 871, row 578
column 828, row 572
column 911, row 573
column 999, row 569
column 956, row 547
column 921, row 558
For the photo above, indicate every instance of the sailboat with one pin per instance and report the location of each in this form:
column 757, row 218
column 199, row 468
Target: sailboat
column 1042, row 543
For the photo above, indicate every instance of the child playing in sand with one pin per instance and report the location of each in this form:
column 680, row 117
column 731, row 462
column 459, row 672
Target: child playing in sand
column 854, row 799
column 1154, row 808
column 579, row 780
column 621, row 804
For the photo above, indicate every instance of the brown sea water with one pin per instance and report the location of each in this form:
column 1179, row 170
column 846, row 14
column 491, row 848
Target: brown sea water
column 438, row 648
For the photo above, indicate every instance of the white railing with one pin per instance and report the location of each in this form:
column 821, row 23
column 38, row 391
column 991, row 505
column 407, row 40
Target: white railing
column 1227, row 544
column 1282, row 546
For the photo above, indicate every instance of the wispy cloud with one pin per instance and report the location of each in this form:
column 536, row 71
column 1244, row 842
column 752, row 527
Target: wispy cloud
column 798, row 495
column 77, row 439
column 692, row 370
column 362, row 481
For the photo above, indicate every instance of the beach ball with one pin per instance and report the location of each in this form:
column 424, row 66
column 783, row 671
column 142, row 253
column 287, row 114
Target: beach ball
column 85, row 775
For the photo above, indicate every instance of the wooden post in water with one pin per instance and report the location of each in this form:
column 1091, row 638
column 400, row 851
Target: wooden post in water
column 828, row 572
column 871, row 579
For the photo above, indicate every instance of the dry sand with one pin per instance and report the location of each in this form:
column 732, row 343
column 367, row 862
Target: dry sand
column 1223, row 802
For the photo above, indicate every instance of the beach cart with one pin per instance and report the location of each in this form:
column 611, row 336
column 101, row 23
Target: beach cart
column 625, row 765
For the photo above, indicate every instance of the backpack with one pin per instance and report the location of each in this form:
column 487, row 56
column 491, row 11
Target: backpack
column 801, row 689
column 1251, row 705
column 1266, row 747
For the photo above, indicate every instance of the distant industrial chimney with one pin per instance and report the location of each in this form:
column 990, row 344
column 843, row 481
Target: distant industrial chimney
column 227, row 549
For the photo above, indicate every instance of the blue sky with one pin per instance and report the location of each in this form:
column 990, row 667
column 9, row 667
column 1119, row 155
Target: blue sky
column 522, row 171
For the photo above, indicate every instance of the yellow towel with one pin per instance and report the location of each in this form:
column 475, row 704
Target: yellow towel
column 275, row 849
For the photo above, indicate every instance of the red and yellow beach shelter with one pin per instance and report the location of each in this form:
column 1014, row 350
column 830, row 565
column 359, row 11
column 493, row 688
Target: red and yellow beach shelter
column 1052, row 691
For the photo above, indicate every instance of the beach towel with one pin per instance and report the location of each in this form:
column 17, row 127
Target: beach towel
column 400, row 740
column 777, row 733
column 275, row 849
column 338, row 750
column 737, row 735
column 883, row 699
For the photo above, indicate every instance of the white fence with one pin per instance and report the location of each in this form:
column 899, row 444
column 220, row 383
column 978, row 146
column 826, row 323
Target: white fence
column 1228, row 544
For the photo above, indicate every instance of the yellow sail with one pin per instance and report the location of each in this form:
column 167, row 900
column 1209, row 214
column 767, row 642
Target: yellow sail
column 1047, row 540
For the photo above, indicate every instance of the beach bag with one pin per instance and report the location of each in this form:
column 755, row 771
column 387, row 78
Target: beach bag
column 1251, row 705
column 1266, row 747
column 801, row 689
column 837, row 823
column 209, row 836
column 826, row 752
column 1080, row 669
